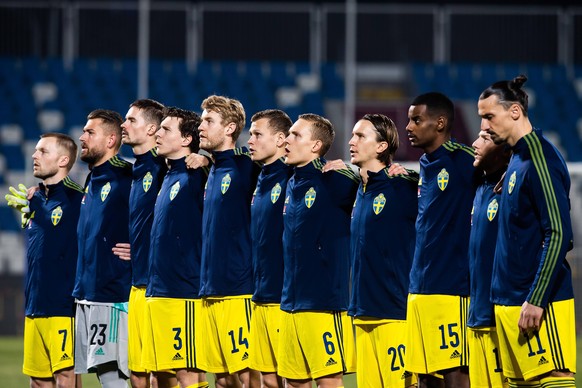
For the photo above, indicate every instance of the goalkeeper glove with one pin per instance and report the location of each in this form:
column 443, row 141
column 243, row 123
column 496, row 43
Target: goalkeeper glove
column 18, row 200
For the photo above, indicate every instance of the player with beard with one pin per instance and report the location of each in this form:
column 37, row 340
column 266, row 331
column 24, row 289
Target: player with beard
column 103, row 280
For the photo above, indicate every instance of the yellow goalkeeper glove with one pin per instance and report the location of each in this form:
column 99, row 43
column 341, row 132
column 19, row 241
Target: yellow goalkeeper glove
column 18, row 200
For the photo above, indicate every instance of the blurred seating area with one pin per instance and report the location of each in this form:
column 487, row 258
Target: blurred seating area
column 42, row 96
column 555, row 97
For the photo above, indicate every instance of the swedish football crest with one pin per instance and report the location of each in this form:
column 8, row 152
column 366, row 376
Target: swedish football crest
column 275, row 192
column 310, row 197
column 105, row 190
column 443, row 179
column 225, row 183
column 492, row 209
column 511, row 184
column 56, row 215
column 174, row 190
column 379, row 203
column 147, row 181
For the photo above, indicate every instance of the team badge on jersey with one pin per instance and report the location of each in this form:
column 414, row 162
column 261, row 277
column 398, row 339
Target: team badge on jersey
column 492, row 209
column 225, row 183
column 511, row 184
column 174, row 190
column 147, row 181
column 105, row 190
column 379, row 203
column 275, row 192
column 443, row 179
column 310, row 197
column 56, row 215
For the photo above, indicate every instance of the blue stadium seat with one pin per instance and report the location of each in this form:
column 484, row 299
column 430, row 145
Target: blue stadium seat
column 14, row 157
column 8, row 220
column 332, row 84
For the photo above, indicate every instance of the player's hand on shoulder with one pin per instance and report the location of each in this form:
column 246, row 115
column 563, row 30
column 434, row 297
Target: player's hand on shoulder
column 397, row 169
column 336, row 164
column 194, row 161
column 122, row 250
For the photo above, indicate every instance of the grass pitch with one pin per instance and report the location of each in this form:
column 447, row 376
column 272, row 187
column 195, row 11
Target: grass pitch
column 11, row 367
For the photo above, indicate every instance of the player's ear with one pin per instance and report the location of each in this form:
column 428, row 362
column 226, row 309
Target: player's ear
column 63, row 161
column 441, row 123
column 152, row 129
column 230, row 128
column 316, row 148
column 111, row 140
column 186, row 140
column 280, row 139
column 515, row 111
column 382, row 146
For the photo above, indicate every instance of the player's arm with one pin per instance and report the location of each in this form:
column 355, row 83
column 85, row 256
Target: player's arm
column 550, row 199
column 343, row 184
column 198, row 160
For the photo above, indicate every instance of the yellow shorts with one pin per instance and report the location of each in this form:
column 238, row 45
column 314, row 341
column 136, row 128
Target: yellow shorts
column 380, row 353
column 315, row 344
column 436, row 335
column 225, row 322
column 484, row 360
column 135, row 317
column 552, row 348
column 264, row 336
column 170, row 332
column 48, row 345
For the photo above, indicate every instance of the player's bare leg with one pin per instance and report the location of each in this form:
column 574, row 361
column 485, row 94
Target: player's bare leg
column 272, row 380
column 456, row 377
column 163, row 380
column 250, row 378
column 429, row 381
column 66, row 378
column 225, row 380
column 299, row 383
column 139, row 380
column 331, row 381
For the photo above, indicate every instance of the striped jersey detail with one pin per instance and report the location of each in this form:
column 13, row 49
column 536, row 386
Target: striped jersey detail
column 347, row 172
column 339, row 334
column 451, row 146
column 554, row 338
column 71, row 184
column 412, row 175
column 190, row 324
column 118, row 162
column 248, row 312
column 556, row 238
column 464, row 312
column 113, row 324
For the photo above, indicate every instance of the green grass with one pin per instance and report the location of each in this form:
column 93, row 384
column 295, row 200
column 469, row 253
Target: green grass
column 11, row 366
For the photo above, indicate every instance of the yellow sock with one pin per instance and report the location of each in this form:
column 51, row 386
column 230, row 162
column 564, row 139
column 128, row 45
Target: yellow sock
column 555, row 382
